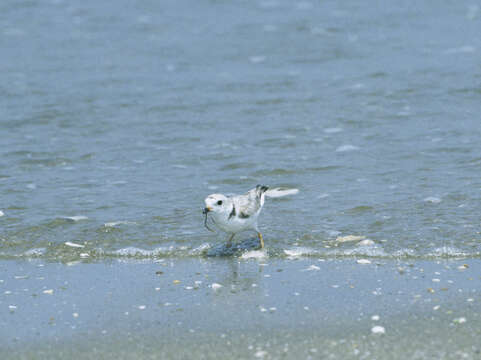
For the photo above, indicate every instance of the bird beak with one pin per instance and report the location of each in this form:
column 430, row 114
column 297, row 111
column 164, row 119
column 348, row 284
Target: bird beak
column 206, row 210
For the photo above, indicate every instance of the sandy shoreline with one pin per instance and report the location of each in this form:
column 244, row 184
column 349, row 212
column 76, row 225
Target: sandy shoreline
column 230, row 307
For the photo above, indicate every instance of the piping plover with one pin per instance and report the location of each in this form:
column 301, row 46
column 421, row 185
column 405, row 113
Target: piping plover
column 239, row 213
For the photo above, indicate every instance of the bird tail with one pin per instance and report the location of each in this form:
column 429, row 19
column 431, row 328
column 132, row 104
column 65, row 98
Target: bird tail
column 280, row 192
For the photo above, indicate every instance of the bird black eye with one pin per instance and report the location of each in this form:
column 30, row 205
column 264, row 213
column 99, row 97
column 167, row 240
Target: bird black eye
column 219, row 202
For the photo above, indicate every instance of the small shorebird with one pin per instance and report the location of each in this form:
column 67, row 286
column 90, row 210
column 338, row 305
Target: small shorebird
column 240, row 212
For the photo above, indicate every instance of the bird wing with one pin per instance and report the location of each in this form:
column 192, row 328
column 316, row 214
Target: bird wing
column 249, row 203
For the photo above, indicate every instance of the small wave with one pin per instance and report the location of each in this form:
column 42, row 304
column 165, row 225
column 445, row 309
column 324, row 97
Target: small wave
column 29, row 254
column 70, row 251
column 36, row 252
column 346, row 148
column 75, row 245
column 366, row 251
column 432, row 200
column 404, row 253
column 447, row 251
column 200, row 249
column 299, row 252
column 312, row 268
column 137, row 252
column 333, row 130
column 115, row 223
column 75, row 218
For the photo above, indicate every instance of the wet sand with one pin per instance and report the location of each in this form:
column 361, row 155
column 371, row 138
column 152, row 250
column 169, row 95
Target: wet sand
column 217, row 308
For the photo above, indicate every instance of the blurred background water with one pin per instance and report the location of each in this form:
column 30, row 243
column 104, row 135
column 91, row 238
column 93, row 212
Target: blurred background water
column 116, row 120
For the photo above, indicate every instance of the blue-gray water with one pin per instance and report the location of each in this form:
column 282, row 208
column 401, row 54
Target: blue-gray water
column 276, row 309
column 129, row 114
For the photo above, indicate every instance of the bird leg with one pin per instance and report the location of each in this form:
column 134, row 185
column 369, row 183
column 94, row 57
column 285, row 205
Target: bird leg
column 261, row 239
column 229, row 241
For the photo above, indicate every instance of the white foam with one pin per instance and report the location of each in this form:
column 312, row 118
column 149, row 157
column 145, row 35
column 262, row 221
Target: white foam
column 298, row 252
column 369, row 251
column 378, row 330
column 261, row 354
column 115, row 223
column 312, row 268
column 1, row 213
column 432, row 199
column 346, row 148
column 75, row 218
column 366, row 242
column 71, row 244
column 332, row 130
column 449, row 251
column 200, row 249
column 404, row 253
column 215, row 286
column 349, row 238
column 255, row 254
column 363, row 261
column 460, row 320
column 133, row 251
column 117, row 182
column 35, row 252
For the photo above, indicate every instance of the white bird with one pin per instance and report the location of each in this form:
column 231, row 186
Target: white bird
column 239, row 213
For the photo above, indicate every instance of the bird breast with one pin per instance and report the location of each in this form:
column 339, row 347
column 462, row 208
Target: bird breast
column 235, row 224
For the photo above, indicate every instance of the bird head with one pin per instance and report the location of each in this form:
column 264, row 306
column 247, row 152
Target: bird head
column 216, row 204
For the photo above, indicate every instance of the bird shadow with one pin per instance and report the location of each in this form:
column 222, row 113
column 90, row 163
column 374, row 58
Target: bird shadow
column 235, row 249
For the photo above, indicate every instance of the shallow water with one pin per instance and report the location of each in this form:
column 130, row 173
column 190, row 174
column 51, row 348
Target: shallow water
column 243, row 309
column 128, row 116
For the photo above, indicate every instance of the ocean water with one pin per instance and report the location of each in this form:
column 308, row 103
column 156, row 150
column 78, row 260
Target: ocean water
column 117, row 121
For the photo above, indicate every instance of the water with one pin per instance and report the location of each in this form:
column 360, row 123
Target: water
column 275, row 309
column 129, row 115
